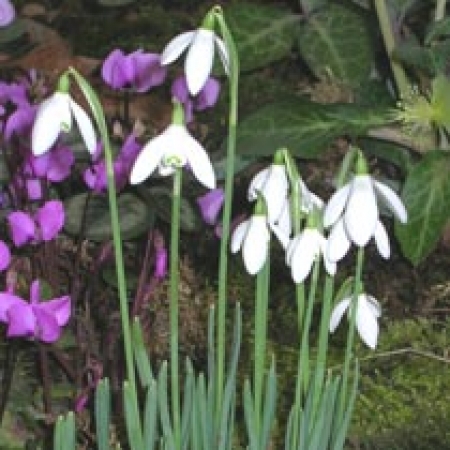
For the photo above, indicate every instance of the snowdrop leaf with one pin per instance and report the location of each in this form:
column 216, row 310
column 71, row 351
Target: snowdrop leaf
column 263, row 33
column 306, row 128
column 426, row 195
column 335, row 42
column 135, row 216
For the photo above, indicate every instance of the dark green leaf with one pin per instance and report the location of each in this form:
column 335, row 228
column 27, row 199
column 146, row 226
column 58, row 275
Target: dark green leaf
column 134, row 215
column 309, row 6
column 335, row 42
column 263, row 33
column 12, row 32
column 437, row 30
column 159, row 199
column 305, row 128
column 426, row 195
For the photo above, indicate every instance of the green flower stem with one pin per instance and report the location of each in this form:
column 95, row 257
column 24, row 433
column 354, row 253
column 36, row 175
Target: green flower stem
column 97, row 110
column 351, row 329
column 226, row 218
column 439, row 12
column 262, row 297
column 322, row 346
column 384, row 21
column 174, row 281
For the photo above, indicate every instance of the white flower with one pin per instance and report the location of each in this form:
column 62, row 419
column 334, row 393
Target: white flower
column 353, row 211
column 272, row 184
column 55, row 115
column 174, row 148
column 253, row 236
column 200, row 56
column 302, row 252
column 367, row 313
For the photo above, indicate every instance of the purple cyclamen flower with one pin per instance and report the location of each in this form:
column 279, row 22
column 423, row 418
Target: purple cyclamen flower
column 160, row 270
column 7, row 13
column 54, row 165
column 210, row 205
column 138, row 70
column 5, row 256
column 35, row 319
column 44, row 225
column 206, row 98
column 95, row 176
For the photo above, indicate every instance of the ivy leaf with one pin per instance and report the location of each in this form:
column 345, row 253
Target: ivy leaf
column 426, row 194
column 135, row 216
column 263, row 33
column 335, row 42
column 304, row 127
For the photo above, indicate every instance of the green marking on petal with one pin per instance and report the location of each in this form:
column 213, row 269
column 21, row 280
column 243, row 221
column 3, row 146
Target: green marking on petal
column 260, row 207
column 65, row 127
column 173, row 161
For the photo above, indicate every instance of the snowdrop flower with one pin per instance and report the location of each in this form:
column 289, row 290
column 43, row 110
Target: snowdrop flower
column 368, row 311
column 172, row 149
column 353, row 213
column 55, row 115
column 200, row 55
column 253, row 237
column 272, row 183
column 303, row 250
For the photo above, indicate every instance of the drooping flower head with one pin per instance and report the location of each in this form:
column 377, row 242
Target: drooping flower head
column 55, row 115
column 139, row 71
column 201, row 44
column 210, row 205
column 172, row 149
column 353, row 213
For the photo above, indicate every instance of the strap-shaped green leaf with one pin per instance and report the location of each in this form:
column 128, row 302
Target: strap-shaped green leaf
column 132, row 419
column 249, row 416
column 151, row 416
column 163, row 403
column 140, row 354
column 188, row 401
column 270, row 398
column 102, row 413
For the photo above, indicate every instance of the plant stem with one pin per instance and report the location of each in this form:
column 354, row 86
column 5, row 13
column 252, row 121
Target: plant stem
column 226, row 218
column 384, row 21
column 174, row 281
column 351, row 329
column 439, row 12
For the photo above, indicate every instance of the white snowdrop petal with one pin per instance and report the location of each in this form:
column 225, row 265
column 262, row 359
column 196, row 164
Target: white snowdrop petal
column 281, row 234
column 148, row 159
column 176, row 47
column 255, row 245
column 366, row 323
column 47, row 124
column 392, row 201
column 199, row 162
column 275, row 191
column 335, row 206
column 338, row 243
column 199, row 60
column 223, row 54
column 284, row 219
column 330, row 266
column 85, row 126
column 374, row 305
column 337, row 313
column 382, row 241
column 303, row 258
column 257, row 183
column 361, row 213
column 238, row 236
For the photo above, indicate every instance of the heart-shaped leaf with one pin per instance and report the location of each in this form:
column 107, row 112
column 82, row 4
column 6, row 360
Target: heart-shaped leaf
column 426, row 194
column 335, row 42
column 263, row 33
column 135, row 216
column 304, row 127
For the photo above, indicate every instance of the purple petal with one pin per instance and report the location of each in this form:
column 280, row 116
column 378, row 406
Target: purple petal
column 20, row 121
column 35, row 292
column 21, row 227
column 210, row 205
column 50, row 219
column 34, row 189
column 47, row 328
column 7, row 13
column 39, row 164
column 59, row 308
column 148, row 71
column 7, row 301
column 208, row 96
column 95, row 177
column 179, row 89
column 61, row 162
column 160, row 264
column 112, row 69
column 21, row 320
column 5, row 256
column 130, row 149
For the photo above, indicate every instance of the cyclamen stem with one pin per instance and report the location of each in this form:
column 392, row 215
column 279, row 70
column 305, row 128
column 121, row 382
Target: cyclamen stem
column 174, row 294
